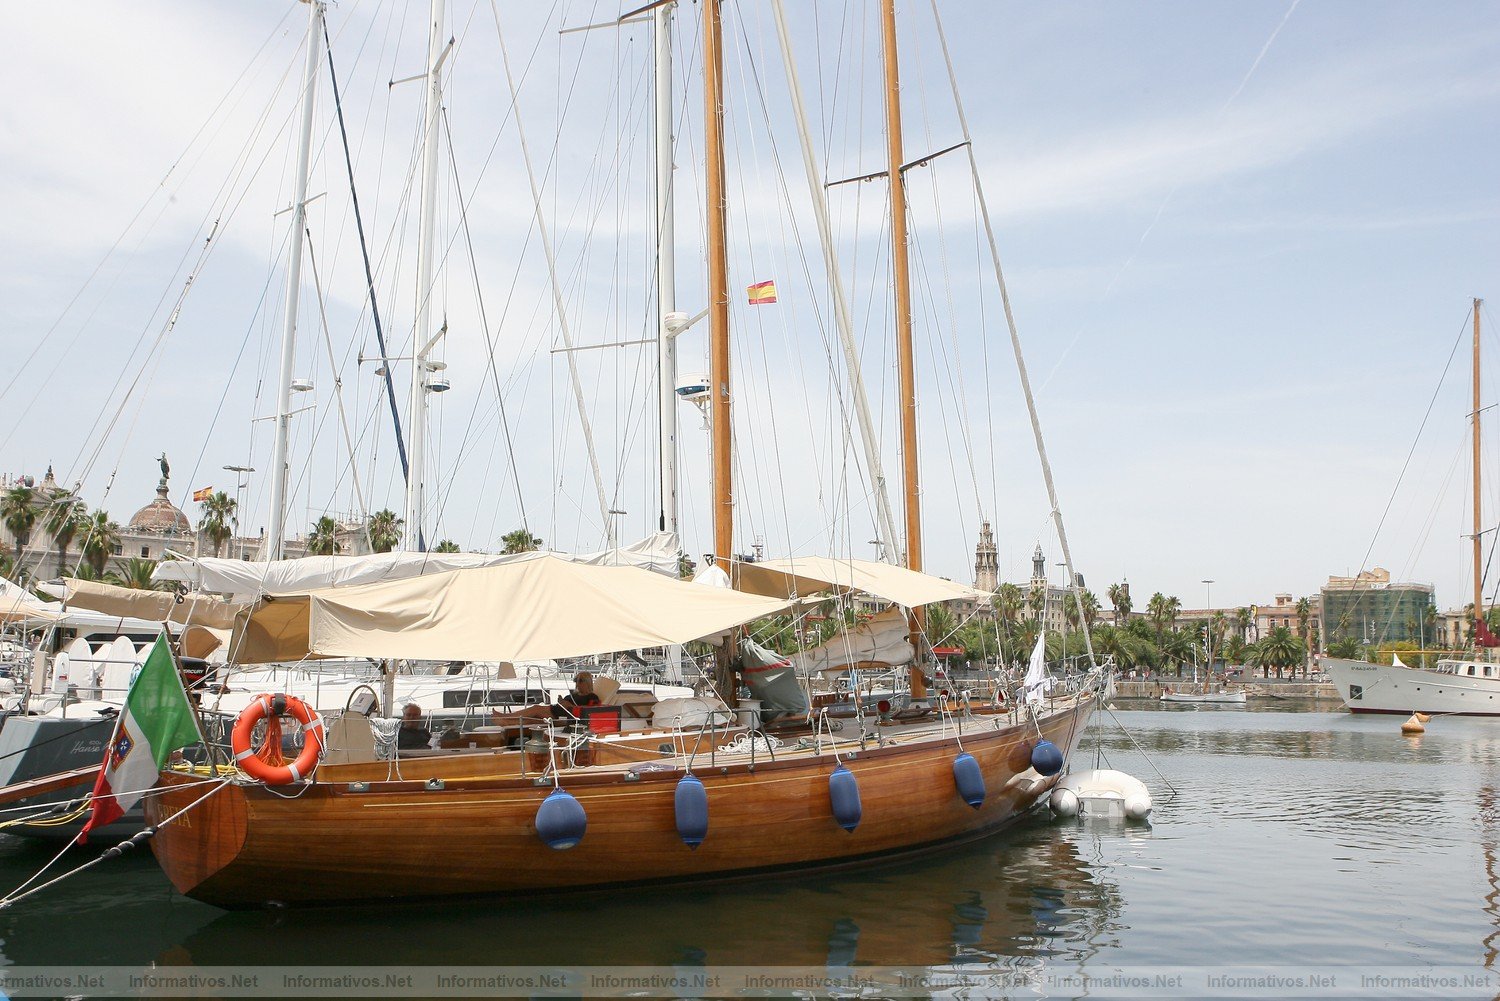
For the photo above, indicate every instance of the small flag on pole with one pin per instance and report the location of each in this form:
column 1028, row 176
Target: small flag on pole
column 157, row 721
column 202, row 495
column 762, row 293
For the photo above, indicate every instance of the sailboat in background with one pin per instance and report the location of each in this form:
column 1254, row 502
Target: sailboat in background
column 691, row 803
column 1461, row 687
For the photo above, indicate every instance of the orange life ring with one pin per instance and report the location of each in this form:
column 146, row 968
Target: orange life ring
column 266, row 706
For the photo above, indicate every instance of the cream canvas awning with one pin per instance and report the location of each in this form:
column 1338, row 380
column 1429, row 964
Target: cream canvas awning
column 153, row 606
column 245, row 579
column 804, row 575
column 542, row 608
column 19, row 605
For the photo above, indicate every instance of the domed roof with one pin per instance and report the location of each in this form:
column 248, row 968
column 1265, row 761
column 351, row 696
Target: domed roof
column 161, row 516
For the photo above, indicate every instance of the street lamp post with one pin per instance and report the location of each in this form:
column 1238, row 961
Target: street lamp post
column 239, row 485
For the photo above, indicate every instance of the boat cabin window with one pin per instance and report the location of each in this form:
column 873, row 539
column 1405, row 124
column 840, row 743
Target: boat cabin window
column 1489, row 670
column 493, row 697
column 1471, row 670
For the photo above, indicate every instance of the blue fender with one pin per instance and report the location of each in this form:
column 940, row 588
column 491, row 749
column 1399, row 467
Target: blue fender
column 561, row 820
column 843, row 791
column 969, row 780
column 1046, row 758
column 692, row 810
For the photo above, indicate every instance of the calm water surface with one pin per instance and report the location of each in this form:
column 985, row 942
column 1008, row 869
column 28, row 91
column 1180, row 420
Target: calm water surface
column 1293, row 838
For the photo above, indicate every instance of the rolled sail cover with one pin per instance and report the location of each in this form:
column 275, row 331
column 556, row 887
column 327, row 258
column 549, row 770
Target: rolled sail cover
column 772, row 679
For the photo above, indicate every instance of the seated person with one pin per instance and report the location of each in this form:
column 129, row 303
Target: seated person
column 566, row 708
column 570, row 705
column 412, row 735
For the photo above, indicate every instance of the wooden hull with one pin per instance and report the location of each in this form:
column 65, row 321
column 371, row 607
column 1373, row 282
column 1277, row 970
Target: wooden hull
column 333, row 841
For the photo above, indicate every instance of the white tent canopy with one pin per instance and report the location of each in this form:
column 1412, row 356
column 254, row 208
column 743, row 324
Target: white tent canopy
column 19, row 605
column 243, row 579
column 804, row 575
column 543, row 607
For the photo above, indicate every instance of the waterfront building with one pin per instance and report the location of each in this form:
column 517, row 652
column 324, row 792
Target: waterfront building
column 1371, row 608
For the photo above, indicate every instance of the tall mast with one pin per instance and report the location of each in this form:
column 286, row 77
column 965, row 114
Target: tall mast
column 423, row 337
column 905, row 361
column 1478, row 572
column 718, row 283
column 666, row 273
column 277, row 535
column 718, row 325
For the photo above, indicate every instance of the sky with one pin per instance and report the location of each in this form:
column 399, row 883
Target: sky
column 1240, row 240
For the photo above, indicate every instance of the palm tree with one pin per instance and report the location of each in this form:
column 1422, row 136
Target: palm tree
column 100, row 541
column 1156, row 611
column 940, row 624
column 1244, row 620
column 18, row 509
column 136, row 574
column 1280, row 650
column 1008, row 601
column 1119, row 598
column 1037, row 601
column 67, row 515
column 446, row 546
column 385, row 530
column 7, row 566
column 1233, row 651
column 520, row 541
column 219, row 521
column 1090, row 608
column 323, row 539
column 1178, row 647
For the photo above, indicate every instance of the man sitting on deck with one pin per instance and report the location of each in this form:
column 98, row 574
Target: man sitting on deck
column 412, row 735
column 569, row 708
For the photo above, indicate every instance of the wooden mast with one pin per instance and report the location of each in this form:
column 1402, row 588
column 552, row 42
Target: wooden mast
column 718, row 317
column 1478, row 564
column 905, row 362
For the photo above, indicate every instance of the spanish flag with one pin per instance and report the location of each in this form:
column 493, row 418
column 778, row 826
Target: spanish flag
column 199, row 496
column 761, row 293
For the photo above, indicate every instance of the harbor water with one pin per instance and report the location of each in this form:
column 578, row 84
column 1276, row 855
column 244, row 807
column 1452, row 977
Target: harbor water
column 1290, row 839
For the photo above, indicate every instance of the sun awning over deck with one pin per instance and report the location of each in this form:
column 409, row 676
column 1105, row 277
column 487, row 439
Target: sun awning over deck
column 805, row 575
column 542, row 608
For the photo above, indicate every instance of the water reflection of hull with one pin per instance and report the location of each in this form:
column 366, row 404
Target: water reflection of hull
column 1026, row 893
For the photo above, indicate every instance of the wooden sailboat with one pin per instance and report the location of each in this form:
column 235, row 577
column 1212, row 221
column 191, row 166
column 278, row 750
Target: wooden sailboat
column 490, row 823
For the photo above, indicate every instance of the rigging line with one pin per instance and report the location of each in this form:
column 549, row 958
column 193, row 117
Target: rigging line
column 338, row 391
column 221, row 221
column 218, row 226
column 484, row 323
column 1015, row 340
column 536, row 197
column 1410, row 452
column 929, row 315
column 364, row 250
column 957, row 370
column 1172, row 193
column 145, row 204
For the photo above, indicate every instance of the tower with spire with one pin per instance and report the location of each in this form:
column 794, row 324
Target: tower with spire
column 986, row 560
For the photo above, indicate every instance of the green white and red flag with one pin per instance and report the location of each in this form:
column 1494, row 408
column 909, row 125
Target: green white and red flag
column 157, row 720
